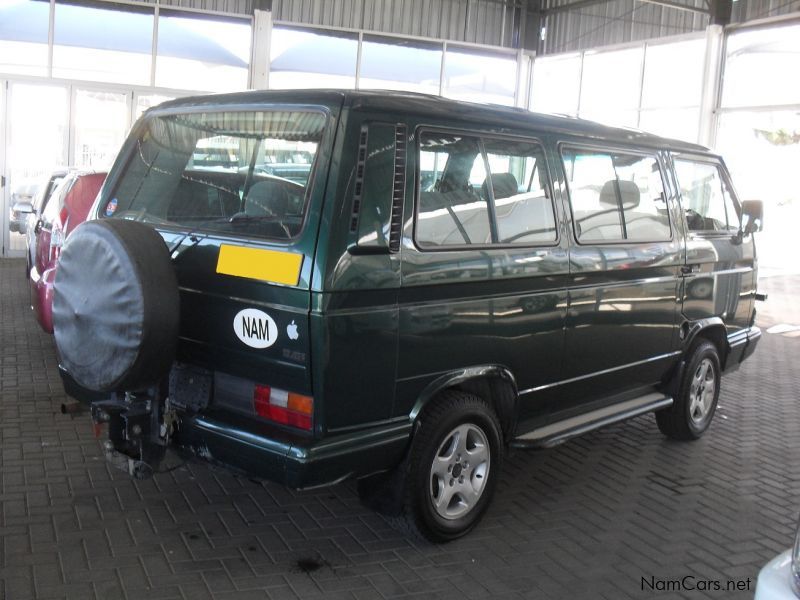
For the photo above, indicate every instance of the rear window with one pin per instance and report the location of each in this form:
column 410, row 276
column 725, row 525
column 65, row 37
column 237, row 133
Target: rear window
column 244, row 173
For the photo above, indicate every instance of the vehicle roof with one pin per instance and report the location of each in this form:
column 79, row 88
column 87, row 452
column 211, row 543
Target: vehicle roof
column 505, row 119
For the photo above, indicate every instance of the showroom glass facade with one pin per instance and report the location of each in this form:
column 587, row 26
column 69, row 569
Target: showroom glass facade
column 97, row 66
column 655, row 86
column 75, row 75
column 759, row 131
column 301, row 57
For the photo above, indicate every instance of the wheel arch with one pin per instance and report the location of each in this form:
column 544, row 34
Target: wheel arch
column 712, row 329
column 494, row 383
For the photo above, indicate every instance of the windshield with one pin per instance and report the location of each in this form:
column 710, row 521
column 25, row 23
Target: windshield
column 245, row 173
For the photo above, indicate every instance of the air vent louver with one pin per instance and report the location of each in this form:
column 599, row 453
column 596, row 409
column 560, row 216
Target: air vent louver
column 399, row 189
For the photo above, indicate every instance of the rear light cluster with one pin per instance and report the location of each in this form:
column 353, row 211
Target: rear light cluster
column 56, row 241
column 283, row 407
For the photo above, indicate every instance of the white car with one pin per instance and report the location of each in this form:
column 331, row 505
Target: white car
column 780, row 577
column 22, row 205
column 45, row 190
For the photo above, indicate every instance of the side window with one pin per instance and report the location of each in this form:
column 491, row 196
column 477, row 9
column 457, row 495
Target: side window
column 592, row 195
column 519, row 182
column 453, row 207
column 707, row 202
column 374, row 185
column 47, row 193
column 648, row 219
column 56, row 201
column 616, row 196
column 731, row 208
column 461, row 204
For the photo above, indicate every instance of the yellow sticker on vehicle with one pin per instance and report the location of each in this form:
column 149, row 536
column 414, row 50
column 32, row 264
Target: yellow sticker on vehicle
column 257, row 263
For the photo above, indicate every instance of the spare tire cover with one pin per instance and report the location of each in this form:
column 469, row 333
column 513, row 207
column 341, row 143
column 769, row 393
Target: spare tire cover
column 116, row 306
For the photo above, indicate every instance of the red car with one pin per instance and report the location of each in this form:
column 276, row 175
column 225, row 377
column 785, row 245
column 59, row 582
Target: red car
column 65, row 210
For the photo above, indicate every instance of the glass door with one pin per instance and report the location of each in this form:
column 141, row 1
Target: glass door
column 101, row 122
column 145, row 101
column 4, row 206
column 37, row 142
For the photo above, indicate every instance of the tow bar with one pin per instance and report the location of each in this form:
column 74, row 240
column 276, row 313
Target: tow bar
column 140, row 425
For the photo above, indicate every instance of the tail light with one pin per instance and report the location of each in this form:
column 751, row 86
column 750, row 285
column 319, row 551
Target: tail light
column 286, row 408
column 56, row 241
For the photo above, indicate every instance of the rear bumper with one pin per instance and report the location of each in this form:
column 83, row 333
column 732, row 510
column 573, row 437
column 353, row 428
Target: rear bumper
column 297, row 462
column 42, row 297
column 742, row 345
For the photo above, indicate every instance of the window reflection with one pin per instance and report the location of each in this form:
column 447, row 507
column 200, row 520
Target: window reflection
column 23, row 37
column 405, row 66
column 616, row 196
column 453, row 201
column 202, row 53
column 305, row 59
column 703, row 197
column 103, row 44
column 523, row 210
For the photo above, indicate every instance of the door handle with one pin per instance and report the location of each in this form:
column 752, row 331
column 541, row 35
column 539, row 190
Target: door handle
column 689, row 269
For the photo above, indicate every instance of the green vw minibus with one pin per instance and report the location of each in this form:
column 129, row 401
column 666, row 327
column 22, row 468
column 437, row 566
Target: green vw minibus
column 311, row 286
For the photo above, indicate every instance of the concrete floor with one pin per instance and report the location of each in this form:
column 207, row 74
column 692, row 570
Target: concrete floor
column 588, row 519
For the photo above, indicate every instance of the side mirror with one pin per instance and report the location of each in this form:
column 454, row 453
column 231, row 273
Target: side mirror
column 22, row 207
column 753, row 216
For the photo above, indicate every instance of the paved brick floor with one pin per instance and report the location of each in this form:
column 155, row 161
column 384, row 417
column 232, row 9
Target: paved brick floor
column 588, row 519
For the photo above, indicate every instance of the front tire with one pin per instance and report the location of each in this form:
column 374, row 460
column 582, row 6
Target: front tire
column 452, row 468
column 698, row 393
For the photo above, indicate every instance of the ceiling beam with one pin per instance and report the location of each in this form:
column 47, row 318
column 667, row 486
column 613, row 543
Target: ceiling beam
column 572, row 6
column 586, row 3
column 679, row 6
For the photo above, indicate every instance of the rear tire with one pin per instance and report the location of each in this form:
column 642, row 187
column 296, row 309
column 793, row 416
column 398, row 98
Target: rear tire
column 698, row 393
column 452, row 468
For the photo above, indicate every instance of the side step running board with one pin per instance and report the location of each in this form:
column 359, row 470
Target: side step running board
column 557, row 433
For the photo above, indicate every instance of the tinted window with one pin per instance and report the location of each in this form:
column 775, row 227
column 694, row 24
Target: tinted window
column 521, row 194
column 616, row 196
column 47, row 192
column 234, row 172
column 374, row 185
column 55, row 203
column 706, row 200
column 460, row 203
column 648, row 218
column 453, row 207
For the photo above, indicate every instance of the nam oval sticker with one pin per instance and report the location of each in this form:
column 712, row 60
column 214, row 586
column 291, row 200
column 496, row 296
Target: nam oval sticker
column 255, row 328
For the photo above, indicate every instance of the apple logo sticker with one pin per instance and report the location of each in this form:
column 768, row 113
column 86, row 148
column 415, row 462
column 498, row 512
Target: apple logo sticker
column 291, row 330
